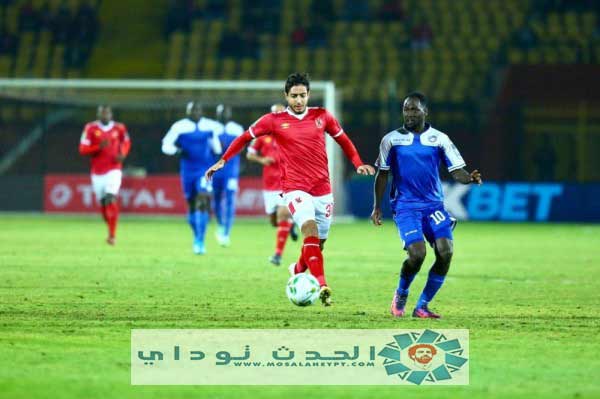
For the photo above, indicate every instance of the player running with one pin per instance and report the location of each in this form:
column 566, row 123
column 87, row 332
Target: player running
column 300, row 134
column 265, row 151
column 413, row 154
column 196, row 140
column 225, row 183
column 107, row 143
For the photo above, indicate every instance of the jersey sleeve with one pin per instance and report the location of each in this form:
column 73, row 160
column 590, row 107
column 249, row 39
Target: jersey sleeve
column 332, row 126
column 125, row 141
column 262, row 126
column 85, row 143
column 169, row 146
column 452, row 157
column 383, row 161
column 255, row 146
column 215, row 142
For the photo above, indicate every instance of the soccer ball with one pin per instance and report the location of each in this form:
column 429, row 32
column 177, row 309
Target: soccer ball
column 302, row 289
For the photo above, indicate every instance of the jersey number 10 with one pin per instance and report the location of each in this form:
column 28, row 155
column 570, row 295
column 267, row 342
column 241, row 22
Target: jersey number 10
column 438, row 217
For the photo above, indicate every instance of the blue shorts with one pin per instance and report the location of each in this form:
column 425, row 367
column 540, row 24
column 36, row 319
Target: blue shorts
column 222, row 182
column 432, row 223
column 194, row 185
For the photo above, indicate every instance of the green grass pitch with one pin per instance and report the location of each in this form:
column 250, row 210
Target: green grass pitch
column 529, row 294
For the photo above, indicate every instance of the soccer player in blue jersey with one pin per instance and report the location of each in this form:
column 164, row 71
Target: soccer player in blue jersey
column 413, row 154
column 196, row 140
column 226, row 181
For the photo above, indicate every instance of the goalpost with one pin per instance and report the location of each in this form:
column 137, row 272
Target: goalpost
column 53, row 100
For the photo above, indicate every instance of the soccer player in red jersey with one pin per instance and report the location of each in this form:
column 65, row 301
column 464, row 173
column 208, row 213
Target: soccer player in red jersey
column 265, row 151
column 107, row 143
column 300, row 134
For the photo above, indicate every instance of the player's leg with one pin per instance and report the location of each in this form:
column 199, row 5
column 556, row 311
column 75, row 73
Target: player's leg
column 323, row 218
column 202, row 205
column 218, row 204
column 98, row 188
column 302, row 208
column 229, row 212
column 188, row 184
column 111, row 204
column 284, row 223
column 438, row 226
column 409, row 228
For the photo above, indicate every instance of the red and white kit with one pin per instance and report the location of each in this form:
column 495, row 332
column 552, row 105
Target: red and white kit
column 106, row 168
column 303, row 160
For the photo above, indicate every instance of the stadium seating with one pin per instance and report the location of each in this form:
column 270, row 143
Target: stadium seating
column 47, row 46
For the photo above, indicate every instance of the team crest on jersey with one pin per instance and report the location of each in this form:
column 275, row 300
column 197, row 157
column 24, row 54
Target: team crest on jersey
column 432, row 139
column 285, row 125
column 268, row 140
column 319, row 122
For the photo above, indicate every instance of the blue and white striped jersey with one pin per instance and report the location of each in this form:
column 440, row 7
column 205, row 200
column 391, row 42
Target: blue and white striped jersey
column 414, row 160
column 199, row 143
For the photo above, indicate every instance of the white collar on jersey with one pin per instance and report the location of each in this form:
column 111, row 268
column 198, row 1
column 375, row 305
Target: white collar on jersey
column 104, row 127
column 427, row 127
column 299, row 116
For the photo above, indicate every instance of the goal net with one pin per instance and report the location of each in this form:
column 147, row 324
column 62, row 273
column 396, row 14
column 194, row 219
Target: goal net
column 42, row 119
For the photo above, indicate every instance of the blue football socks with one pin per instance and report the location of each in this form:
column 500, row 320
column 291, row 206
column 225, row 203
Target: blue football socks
column 434, row 283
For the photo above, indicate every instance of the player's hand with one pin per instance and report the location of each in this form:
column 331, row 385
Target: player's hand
column 376, row 217
column 267, row 161
column 365, row 170
column 104, row 143
column 476, row 177
column 211, row 171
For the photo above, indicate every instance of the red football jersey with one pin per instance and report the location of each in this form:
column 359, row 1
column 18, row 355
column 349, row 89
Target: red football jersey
column 266, row 146
column 301, row 139
column 104, row 159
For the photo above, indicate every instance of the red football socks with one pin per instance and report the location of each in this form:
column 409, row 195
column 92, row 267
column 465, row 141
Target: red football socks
column 111, row 214
column 300, row 265
column 311, row 252
column 283, row 230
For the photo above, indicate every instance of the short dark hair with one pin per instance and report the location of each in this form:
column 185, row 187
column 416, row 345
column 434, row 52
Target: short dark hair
column 419, row 96
column 296, row 79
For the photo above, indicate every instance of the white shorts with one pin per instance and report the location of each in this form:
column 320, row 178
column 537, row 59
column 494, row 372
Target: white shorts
column 304, row 207
column 108, row 183
column 273, row 200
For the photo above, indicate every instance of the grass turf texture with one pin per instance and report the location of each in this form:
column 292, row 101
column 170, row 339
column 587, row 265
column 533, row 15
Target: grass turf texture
column 528, row 294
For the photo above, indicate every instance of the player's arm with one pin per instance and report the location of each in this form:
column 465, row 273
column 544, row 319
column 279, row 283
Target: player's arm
column 261, row 127
column 456, row 164
column 463, row 176
column 86, row 147
column 124, row 146
column 383, row 168
column 337, row 133
column 380, row 185
column 215, row 143
column 169, row 142
column 253, row 155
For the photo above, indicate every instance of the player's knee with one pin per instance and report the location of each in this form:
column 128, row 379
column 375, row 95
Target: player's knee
column 202, row 203
column 109, row 199
column 416, row 255
column 445, row 255
column 322, row 243
column 282, row 214
column 444, row 251
column 309, row 228
column 273, row 219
